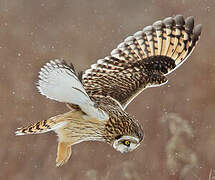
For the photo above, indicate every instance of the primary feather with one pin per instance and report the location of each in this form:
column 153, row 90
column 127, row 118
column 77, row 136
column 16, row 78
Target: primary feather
column 143, row 60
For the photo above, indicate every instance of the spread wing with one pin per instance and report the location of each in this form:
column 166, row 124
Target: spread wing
column 58, row 81
column 143, row 60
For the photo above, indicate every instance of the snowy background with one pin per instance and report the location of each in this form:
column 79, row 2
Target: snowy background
column 178, row 118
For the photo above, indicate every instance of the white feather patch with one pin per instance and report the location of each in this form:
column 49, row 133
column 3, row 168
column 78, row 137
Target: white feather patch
column 58, row 81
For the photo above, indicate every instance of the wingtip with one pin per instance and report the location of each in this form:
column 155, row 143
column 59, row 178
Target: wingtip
column 179, row 19
column 148, row 29
column 138, row 34
column 189, row 21
column 197, row 30
column 169, row 21
column 129, row 38
column 158, row 24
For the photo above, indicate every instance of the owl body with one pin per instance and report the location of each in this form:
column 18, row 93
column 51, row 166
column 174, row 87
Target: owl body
column 75, row 126
column 97, row 99
column 80, row 127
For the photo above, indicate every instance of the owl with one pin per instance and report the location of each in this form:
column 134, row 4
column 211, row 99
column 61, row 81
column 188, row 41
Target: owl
column 97, row 98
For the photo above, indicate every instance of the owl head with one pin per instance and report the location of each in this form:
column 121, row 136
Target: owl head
column 122, row 131
column 126, row 143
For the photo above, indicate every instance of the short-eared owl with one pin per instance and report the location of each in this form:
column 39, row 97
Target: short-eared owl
column 97, row 98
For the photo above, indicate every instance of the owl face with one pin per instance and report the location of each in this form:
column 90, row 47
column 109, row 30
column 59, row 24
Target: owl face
column 126, row 144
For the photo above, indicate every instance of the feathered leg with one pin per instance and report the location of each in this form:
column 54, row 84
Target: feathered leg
column 63, row 153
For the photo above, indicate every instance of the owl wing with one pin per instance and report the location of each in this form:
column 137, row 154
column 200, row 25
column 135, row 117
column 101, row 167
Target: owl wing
column 143, row 60
column 59, row 81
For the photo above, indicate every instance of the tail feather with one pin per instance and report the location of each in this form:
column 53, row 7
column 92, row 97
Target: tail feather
column 42, row 126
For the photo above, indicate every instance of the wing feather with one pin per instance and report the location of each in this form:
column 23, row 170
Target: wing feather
column 143, row 60
column 58, row 81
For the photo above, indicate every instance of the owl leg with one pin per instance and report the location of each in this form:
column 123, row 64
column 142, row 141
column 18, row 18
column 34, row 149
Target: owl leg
column 64, row 152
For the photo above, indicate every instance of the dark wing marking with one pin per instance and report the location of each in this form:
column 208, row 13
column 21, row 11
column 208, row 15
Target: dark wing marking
column 143, row 59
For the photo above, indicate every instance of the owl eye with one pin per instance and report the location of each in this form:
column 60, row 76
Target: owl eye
column 126, row 142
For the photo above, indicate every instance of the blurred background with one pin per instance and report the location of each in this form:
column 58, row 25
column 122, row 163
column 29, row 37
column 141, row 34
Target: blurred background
column 178, row 118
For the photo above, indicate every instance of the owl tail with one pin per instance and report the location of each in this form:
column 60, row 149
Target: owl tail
column 45, row 125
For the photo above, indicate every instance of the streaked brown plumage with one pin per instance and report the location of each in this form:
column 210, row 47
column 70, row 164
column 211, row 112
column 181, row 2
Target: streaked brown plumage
column 97, row 99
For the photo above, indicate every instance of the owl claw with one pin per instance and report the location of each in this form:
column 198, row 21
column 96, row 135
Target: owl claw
column 60, row 163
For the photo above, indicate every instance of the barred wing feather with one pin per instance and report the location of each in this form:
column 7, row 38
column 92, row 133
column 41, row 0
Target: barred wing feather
column 143, row 60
